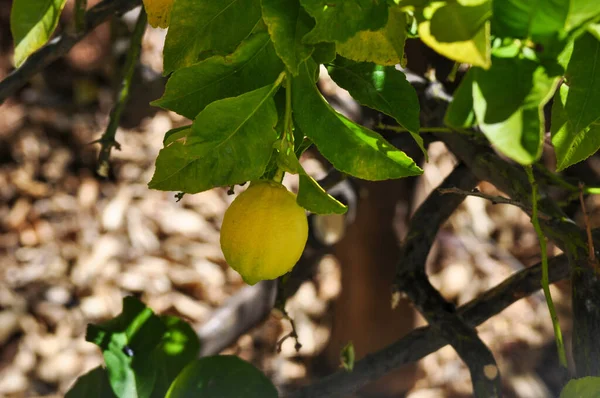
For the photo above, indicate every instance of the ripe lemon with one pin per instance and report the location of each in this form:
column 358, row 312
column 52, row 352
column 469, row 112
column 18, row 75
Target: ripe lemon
column 159, row 12
column 264, row 232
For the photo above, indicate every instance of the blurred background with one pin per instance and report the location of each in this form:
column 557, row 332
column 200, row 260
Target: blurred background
column 73, row 244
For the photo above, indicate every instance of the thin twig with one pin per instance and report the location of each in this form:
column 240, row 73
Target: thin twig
column 61, row 45
column 426, row 340
column 80, row 8
column 400, row 129
column 107, row 140
column 545, row 281
column 588, row 228
column 492, row 198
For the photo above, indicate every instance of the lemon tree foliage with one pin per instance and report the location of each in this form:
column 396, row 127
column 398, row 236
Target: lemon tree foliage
column 221, row 376
column 32, row 22
column 585, row 387
column 245, row 72
column 575, row 111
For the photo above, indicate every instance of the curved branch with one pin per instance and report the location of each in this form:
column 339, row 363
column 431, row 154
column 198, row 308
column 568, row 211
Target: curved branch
column 412, row 279
column 424, row 341
column 61, row 45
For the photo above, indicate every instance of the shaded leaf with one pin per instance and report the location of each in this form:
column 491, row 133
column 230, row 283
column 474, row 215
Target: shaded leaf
column 384, row 46
column 254, row 64
column 541, row 21
column 219, row 377
column 510, row 115
column 288, row 23
column 176, row 134
column 351, row 148
column 93, row 384
column 179, row 347
column 230, row 143
column 324, row 53
column 382, row 88
column 339, row 20
column 460, row 113
column 32, row 22
column 206, row 27
column 575, row 112
column 585, row 387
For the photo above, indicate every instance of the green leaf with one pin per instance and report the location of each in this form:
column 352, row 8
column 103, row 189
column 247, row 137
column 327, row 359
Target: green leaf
column 581, row 11
column 175, row 134
column 475, row 51
column 221, row 376
column 541, row 21
column 585, row 387
column 32, row 22
column 230, row 143
column 351, row 148
column 382, row 88
column 339, row 20
column 315, row 199
column 127, row 343
column 594, row 29
column 311, row 195
column 205, row 27
column 455, row 22
column 254, row 64
column 460, row 112
column 179, row 347
column 575, row 112
column 288, row 23
column 324, row 53
column 511, row 115
column 93, row 384
column 384, row 46
column 347, row 357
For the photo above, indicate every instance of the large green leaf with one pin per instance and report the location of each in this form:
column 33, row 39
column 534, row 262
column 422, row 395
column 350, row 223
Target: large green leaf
column 288, row 23
column 382, row 88
column 581, row 11
column 339, row 20
column 201, row 28
column 351, row 148
column 230, row 142
column 384, row 46
column 221, row 376
column 254, row 64
column 93, row 384
column 128, row 342
column 460, row 112
column 32, row 22
column 576, row 111
column 543, row 21
column 508, row 100
column 585, row 387
column 455, row 22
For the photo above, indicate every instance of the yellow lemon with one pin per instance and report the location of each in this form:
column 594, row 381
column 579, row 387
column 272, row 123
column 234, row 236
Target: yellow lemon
column 264, row 232
column 159, row 12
